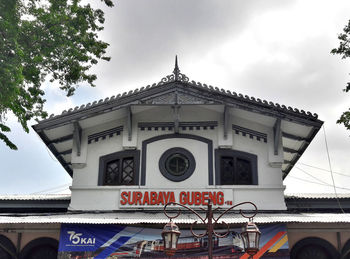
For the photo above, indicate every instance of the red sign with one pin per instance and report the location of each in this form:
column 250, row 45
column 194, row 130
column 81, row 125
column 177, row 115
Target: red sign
column 163, row 197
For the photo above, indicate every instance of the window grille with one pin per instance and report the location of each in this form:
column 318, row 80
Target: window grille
column 120, row 168
column 235, row 167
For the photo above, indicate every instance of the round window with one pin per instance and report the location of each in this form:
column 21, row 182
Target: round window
column 177, row 164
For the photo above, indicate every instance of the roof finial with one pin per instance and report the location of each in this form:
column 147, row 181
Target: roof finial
column 176, row 76
column 176, row 70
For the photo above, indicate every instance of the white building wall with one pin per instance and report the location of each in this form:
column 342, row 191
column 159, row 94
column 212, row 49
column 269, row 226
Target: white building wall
column 199, row 178
column 268, row 194
column 88, row 175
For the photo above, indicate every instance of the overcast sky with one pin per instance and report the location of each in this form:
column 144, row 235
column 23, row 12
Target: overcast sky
column 274, row 50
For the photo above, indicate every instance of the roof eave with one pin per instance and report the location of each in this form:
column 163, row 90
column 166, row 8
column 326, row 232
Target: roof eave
column 54, row 151
column 135, row 97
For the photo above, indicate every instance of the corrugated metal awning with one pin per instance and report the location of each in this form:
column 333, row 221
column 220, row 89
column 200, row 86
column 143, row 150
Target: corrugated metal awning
column 31, row 197
column 317, row 196
column 160, row 218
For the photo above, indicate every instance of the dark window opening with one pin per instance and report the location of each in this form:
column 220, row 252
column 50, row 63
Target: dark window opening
column 314, row 247
column 120, row 168
column 235, row 167
column 7, row 248
column 313, row 251
column 43, row 247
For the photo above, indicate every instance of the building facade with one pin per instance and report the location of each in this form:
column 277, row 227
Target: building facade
column 176, row 141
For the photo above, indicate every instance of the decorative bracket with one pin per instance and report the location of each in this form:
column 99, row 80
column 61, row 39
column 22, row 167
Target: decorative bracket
column 226, row 121
column 77, row 137
column 129, row 123
column 295, row 137
column 277, row 135
column 176, row 109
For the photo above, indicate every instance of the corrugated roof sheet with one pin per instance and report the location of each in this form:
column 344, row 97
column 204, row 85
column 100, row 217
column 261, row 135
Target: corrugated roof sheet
column 317, row 196
column 153, row 218
column 36, row 197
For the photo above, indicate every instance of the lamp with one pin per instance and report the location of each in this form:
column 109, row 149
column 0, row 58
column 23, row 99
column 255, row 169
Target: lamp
column 251, row 238
column 170, row 236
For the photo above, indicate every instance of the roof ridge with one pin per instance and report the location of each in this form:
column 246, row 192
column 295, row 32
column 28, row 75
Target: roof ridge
column 176, row 76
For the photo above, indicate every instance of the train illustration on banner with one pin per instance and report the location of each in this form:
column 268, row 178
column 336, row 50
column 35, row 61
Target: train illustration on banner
column 154, row 248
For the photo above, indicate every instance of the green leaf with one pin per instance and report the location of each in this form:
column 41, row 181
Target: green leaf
column 59, row 40
column 4, row 128
column 8, row 142
column 344, row 51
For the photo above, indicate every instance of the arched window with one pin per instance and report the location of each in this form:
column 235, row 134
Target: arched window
column 313, row 247
column 120, row 168
column 7, row 249
column 235, row 167
column 346, row 250
column 43, row 247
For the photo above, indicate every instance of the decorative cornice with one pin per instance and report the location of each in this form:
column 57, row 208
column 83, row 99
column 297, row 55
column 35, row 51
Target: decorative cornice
column 199, row 124
column 251, row 133
column 189, row 125
column 103, row 134
column 177, row 97
column 156, row 125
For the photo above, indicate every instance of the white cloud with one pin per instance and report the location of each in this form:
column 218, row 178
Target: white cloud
column 274, row 50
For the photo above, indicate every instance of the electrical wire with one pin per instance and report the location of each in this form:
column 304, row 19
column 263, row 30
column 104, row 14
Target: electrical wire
column 47, row 149
column 315, row 167
column 308, row 181
column 330, row 168
column 321, row 182
column 311, row 175
column 52, row 189
column 58, row 191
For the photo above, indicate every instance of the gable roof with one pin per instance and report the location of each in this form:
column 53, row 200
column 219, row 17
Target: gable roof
column 178, row 89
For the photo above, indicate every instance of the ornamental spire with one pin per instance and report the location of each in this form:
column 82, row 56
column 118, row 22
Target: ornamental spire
column 176, row 76
column 176, row 70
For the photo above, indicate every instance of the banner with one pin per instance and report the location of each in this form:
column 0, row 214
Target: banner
column 83, row 241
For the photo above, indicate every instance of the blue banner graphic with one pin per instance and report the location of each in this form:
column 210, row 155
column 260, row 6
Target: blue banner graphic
column 83, row 241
